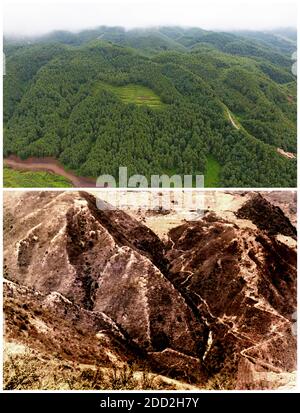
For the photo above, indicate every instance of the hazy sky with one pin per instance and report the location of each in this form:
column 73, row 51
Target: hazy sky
column 41, row 16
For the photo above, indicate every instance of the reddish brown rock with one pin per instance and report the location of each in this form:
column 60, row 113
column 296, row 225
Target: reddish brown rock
column 244, row 283
column 266, row 216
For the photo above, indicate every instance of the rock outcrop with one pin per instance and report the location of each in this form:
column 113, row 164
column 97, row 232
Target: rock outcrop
column 267, row 217
column 243, row 283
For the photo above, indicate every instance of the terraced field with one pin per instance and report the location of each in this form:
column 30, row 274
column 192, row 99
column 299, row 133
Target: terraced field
column 137, row 94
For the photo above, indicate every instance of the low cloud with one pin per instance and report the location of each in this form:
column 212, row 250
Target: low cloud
column 42, row 16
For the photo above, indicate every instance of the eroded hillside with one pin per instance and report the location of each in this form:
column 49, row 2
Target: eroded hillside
column 209, row 306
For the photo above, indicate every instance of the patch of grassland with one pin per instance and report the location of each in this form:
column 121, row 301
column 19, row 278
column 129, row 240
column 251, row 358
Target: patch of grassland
column 31, row 370
column 137, row 94
column 211, row 176
column 26, row 179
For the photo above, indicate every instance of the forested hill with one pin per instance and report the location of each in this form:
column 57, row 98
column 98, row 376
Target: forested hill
column 167, row 100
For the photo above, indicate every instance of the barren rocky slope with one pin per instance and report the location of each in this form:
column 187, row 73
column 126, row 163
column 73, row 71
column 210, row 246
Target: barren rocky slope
column 211, row 306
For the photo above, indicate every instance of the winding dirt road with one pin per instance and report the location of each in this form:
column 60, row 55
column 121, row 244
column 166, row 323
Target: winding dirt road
column 281, row 152
column 232, row 121
column 288, row 155
column 48, row 165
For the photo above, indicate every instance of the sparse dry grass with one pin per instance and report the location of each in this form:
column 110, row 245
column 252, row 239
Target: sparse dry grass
column 221, row 381
column 28, row 371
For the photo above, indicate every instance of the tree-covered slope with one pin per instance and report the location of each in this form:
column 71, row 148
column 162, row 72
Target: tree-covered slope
column 254, row 90
column 159, row 101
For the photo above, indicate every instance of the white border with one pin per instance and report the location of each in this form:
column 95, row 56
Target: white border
column 296, row 389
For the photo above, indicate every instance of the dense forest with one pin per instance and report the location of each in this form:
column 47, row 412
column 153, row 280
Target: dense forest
column 160, row 101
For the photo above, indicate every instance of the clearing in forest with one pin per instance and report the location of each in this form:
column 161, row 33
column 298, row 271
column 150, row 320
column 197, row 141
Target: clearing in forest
column 137, row 94
column 211, row 176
